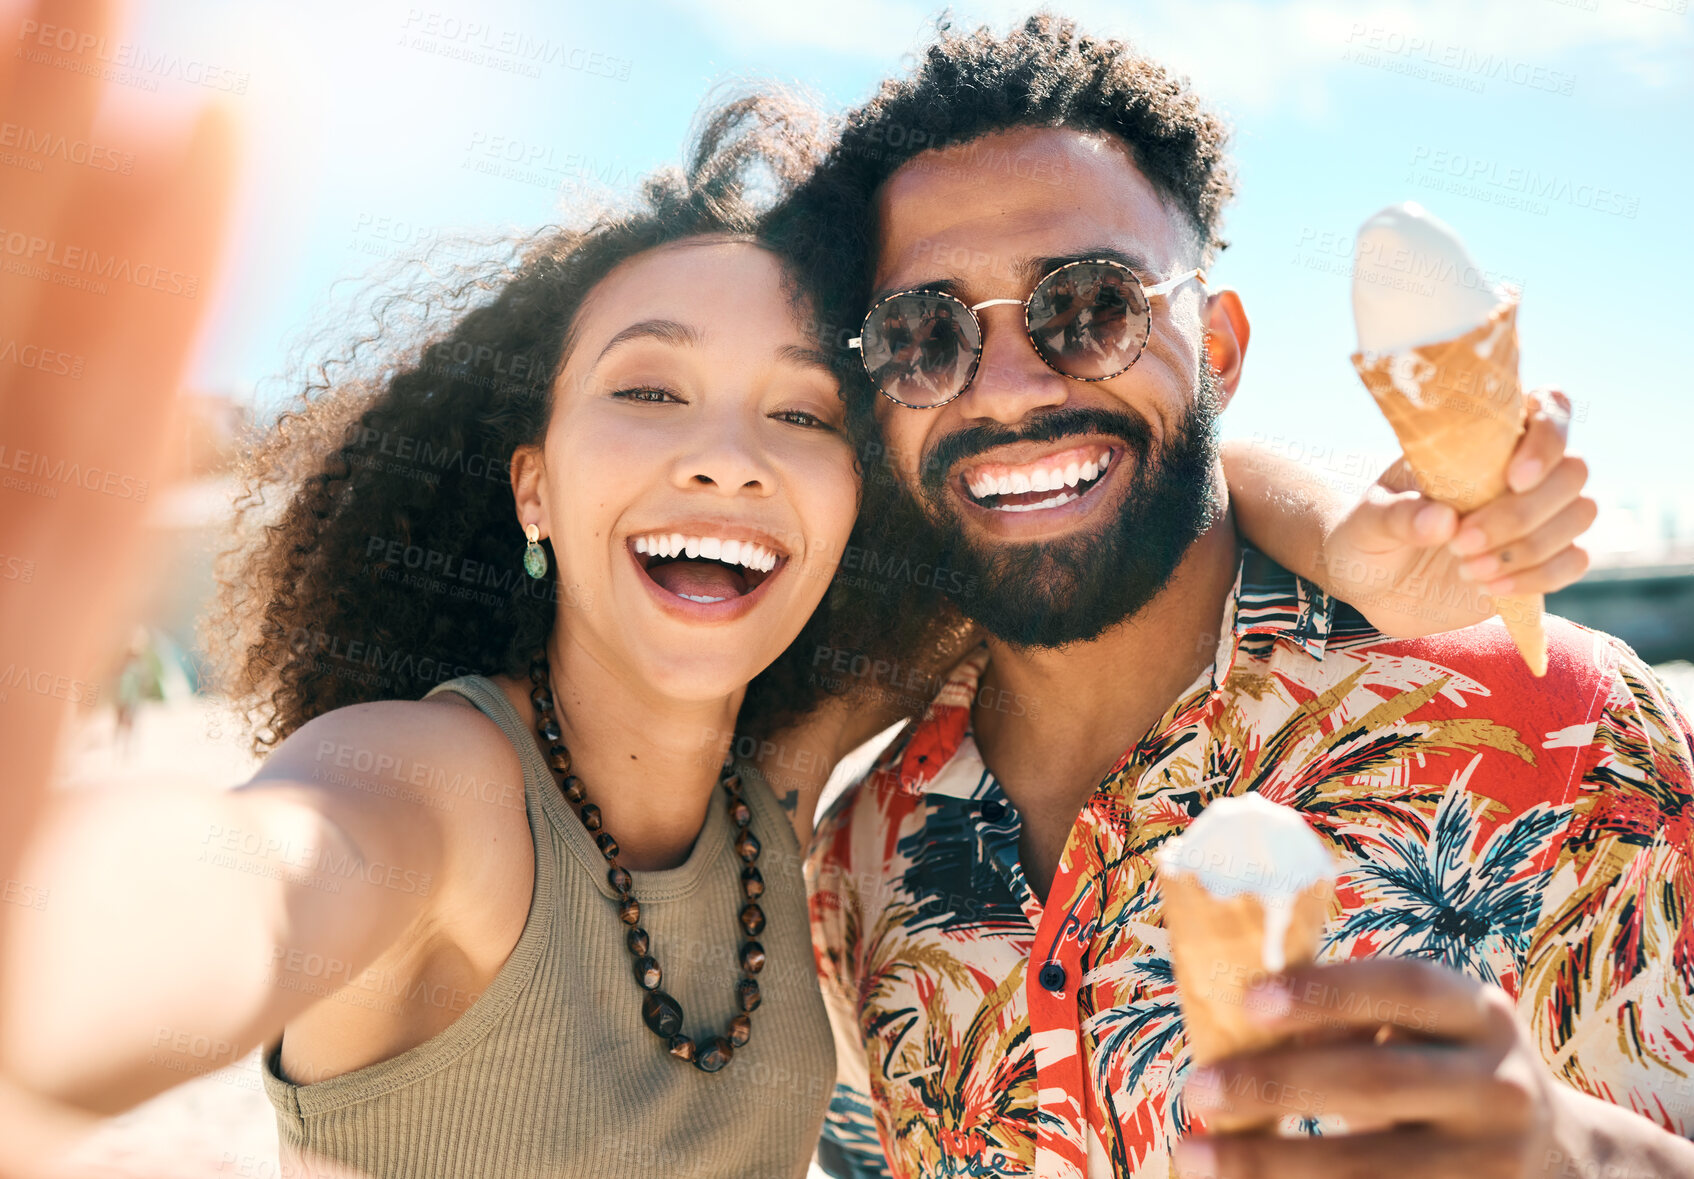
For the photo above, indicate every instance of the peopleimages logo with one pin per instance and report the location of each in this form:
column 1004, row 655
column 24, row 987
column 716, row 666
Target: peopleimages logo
column 53, row 145
column 1515, row 185
column 30, row 253
column 63, row 472
column 49, row 361
column 510, row 50
column 1448, row 63
column 129, row 63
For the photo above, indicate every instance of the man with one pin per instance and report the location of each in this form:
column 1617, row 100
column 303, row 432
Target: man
column 1517, row 869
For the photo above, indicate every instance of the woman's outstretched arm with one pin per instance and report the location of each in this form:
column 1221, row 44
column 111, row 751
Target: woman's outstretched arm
column 181, row 929
column 1411, row 565
column 83, row 550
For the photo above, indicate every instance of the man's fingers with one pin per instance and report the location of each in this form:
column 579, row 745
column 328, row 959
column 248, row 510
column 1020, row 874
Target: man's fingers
column 1527, row 552
column 1546, row 432
column 1405, row 1154
column 1366, row 1083
column 1413, row 994
column 1514, row 515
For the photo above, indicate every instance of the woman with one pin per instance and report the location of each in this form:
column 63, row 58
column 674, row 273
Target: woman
column 493, row 904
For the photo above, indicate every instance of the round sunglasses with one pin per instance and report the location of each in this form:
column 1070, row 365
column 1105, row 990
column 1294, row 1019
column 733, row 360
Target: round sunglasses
column 1087, row 320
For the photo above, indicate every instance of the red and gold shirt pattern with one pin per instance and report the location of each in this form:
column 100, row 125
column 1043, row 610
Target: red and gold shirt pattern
column 1532, row 833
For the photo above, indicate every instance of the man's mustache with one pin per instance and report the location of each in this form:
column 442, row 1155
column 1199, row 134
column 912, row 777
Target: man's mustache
column 953, row 449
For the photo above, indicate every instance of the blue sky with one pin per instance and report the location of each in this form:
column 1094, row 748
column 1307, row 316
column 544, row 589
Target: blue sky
column 1556, row 137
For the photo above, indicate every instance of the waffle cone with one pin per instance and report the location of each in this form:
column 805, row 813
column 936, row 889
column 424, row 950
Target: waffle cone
column 1457, row 409
column 1217, row 949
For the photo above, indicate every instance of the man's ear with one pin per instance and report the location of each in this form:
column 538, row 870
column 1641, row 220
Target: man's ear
column 1226, row 339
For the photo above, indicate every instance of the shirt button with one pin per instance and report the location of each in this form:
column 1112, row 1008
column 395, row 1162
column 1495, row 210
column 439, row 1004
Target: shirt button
column 994, row 810
column 1052, row 977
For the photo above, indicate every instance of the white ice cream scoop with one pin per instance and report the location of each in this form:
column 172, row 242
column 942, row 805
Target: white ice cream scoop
column 1248, row 844
column 1414, row 283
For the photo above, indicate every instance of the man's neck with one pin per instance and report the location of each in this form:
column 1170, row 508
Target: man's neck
column 1051, row 722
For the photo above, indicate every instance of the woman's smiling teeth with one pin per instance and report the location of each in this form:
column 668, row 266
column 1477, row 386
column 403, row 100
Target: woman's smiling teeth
column 730, row 552
column 704, row 569
column 1017, row 489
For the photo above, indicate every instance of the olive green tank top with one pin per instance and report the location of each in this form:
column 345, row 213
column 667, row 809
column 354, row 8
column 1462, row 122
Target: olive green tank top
column 551, row 1071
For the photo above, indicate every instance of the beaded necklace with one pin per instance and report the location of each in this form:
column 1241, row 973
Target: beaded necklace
column 662, row 1013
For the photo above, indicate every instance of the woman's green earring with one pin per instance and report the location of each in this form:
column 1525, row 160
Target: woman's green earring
column 534, row 557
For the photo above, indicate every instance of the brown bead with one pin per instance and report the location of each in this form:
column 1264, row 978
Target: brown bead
column 741, row 813
column 559, row 758
column 541, row 698
column 575, row 791
column 752, row 957
column 661, row 1013
column 636, row 940
column 591, row 816
column 753, row 920
column 714, row 1055
column 733, row 783
column 620, row 879
column 752, row 882
column 747, row 994
column 629, row 912
column 682, row 1047
column 607, row 845
column 538, row 671
column 740, row 1030
column 548, row 728
column 647, row 973
column 747, row 845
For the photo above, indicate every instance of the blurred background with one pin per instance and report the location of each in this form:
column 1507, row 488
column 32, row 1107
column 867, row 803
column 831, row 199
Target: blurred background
column 1554, row 135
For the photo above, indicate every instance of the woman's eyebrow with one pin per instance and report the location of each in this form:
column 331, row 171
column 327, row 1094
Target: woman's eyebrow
column 667, row 331
column 681, row 335
column 808, row 357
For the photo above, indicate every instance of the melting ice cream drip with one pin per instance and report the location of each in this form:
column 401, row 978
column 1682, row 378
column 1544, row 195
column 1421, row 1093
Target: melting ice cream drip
column 1249, row 845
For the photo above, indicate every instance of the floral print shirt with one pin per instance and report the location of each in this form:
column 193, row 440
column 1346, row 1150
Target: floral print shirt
column 1535, row 834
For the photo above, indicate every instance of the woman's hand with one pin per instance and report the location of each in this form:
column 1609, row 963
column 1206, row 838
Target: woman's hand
column 114, row 281
column 1413, row 566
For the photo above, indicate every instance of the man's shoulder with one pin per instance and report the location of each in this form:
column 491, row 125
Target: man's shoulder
column 877, row 775
column 1580, row 660
column 934, row 735
column 1598, row 696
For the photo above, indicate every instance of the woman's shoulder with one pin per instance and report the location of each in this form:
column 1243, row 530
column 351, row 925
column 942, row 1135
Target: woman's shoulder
column 431, row 785
column 436, row 756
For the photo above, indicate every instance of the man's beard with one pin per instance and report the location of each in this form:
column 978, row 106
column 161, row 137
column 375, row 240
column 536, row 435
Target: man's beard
column 1070, row 589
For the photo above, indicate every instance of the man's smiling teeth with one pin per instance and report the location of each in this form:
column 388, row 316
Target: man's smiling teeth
column 1055, row 478
column 731, row 552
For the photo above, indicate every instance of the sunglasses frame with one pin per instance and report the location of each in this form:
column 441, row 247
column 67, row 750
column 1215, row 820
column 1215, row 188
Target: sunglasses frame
column 1147, row 293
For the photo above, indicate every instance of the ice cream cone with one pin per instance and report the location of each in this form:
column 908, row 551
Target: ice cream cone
column 1458, row 409
column 1218, row 949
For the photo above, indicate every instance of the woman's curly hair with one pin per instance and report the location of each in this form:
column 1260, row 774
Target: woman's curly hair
column 375, row 549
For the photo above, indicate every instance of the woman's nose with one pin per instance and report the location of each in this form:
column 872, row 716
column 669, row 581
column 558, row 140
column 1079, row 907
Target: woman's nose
column 730, row 460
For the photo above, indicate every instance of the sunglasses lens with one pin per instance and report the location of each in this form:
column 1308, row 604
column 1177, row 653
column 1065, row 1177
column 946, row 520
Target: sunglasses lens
column 1089, row 319
column 920, row 349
